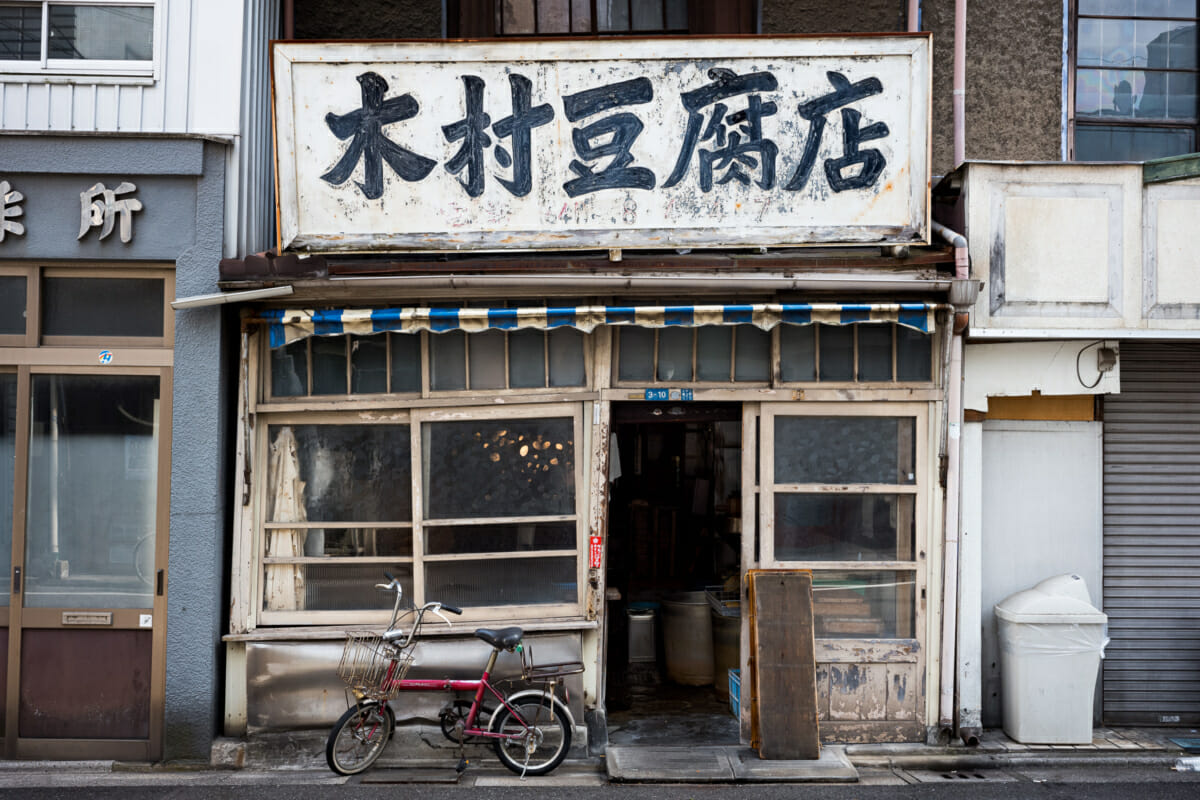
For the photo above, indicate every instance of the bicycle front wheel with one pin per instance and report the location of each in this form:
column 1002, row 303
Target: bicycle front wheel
column 359, row 737
column 541, row 736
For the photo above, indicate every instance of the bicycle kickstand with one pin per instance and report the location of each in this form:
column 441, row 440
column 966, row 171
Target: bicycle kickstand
column 463, row 763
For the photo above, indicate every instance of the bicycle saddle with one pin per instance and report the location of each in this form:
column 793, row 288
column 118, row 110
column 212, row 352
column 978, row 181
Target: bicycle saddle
column 505, row 638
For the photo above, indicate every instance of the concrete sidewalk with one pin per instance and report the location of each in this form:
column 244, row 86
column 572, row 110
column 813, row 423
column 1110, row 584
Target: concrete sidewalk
column 421, row 755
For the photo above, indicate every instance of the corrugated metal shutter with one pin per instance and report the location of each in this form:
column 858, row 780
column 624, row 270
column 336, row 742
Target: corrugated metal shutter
column 1152, row 537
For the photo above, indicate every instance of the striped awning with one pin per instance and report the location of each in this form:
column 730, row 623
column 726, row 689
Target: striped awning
column 290, row 325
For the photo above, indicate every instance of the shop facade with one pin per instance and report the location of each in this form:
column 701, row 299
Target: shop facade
column 549, row 439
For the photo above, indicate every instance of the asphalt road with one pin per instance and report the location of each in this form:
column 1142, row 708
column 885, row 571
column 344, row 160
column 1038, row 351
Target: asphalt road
column 1093, row 783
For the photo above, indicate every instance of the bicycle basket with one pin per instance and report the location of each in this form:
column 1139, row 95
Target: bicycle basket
column 371, row 666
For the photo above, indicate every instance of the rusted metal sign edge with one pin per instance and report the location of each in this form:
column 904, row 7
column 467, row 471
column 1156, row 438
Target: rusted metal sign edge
column 566, row 145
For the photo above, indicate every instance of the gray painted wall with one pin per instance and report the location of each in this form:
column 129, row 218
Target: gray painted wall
column 181, row 183
column 199, row 484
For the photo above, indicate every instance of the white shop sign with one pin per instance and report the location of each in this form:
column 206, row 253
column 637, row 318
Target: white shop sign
column 648, row 143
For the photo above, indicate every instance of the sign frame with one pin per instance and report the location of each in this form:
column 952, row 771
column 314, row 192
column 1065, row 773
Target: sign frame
column 313, row 82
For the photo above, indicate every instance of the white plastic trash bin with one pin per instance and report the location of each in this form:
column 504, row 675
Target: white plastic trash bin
column 1051, row 641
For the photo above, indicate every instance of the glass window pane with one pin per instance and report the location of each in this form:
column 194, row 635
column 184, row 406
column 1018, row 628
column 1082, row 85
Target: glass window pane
column 714, row 353
column 675, row 354
column 368, row 364
column 798, row 352
column 499, row 468
column 612, row 15
column 329, row 364
column 914, row 355
column 102, row 307
column 406, row 361
column 527, row 359
column 517, row 17
column 567, row 365
column 448, row 361
column 752, row 354
column 1127, row 143
column 487, row 359
column 874, row 352
column 499, row 538
column 553, row 17
column 677, row 15
column 647, row 15
column 8, row 464
column 581, row 16
column 840, row 527
column 108, row 33
column 289, row 370
column 1090, row 43
column 340, row 542
column 501, row 581
column 837, row 352
column 636, row 353
column 865, row 605
column 845, row 450
column 341, row 469
column 331, row 587
column 12, row 299
column 93, row 488
column 21, row 32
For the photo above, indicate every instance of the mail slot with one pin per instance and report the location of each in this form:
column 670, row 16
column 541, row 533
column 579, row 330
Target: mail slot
column 87, row 618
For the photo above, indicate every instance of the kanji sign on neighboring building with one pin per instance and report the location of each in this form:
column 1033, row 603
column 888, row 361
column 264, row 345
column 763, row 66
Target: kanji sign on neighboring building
column 673, row 144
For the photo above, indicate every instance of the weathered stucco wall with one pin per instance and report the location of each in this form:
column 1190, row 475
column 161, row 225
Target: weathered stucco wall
column 1014, row 68
column 369, row 19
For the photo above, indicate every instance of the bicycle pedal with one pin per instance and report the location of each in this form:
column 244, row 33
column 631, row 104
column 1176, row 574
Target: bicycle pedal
column 462, row 766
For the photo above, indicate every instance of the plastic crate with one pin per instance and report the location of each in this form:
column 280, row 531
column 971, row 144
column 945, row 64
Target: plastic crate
column 723, row 601
column 735, row 692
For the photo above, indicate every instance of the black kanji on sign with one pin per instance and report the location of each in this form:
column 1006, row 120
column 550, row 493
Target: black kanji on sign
column 472, row 130
column 730, row 153
column 872, row 161
column 369, row 144
column 623, row 128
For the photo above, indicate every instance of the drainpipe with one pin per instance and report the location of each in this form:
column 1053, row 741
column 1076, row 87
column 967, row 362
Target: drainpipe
column 289, row 19
column 960, row 81
column 914, row 16
column 962, row 295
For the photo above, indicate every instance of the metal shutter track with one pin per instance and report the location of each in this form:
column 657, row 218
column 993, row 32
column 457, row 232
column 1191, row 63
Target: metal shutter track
column 1152, row 537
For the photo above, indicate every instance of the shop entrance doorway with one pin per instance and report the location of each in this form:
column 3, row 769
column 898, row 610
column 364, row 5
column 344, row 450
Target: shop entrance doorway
column 674, row 559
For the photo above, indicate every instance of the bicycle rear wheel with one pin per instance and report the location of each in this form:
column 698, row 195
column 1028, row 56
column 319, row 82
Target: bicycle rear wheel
column 542, row 736
column 358, row 738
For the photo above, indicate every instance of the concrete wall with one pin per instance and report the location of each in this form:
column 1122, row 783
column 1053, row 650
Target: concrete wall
column 369, row 19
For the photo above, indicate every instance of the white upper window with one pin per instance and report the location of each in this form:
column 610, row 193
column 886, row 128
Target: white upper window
column 78, row 37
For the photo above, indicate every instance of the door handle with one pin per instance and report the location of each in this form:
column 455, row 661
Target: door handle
column 159, row 583
column 16, row 584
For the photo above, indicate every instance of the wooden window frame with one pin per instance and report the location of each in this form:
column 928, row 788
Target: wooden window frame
column 417, row 419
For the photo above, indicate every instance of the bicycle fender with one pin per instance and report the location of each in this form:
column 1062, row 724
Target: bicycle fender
column 559, row 706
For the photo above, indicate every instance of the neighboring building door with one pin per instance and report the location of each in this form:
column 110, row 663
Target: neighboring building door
column 1152, row 537
column 844, row 491
column 84, row 455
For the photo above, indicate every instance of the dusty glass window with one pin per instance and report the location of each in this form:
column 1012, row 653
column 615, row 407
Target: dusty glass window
column 497, row 523
column 843, row 490
column 392, row 363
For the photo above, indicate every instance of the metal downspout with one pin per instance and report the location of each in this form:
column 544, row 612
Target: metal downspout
column 960, row 81
column 954, row 419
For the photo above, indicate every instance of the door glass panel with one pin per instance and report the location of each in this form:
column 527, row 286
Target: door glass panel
column 845, row 450
column 526, row 359
column 567, row 365
column 8, row 455
column 865, row 605
column 637, row 354
column 875, row 352
column 406, row 362
column 842, row 527
column 448, row 361
column 93, row 476
column 487, row 360
column 914, row 355
column 837, row 353
column 675, row 354
column 289, row 370
column 368, row 364
column 798, row 356
column 102, row 307
column 329, row 364
column 12, row 304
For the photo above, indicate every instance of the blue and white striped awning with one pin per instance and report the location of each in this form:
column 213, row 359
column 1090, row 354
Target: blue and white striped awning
column 290, row 325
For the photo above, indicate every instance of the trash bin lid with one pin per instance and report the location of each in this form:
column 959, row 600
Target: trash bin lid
column 1058, row 600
